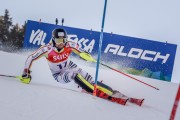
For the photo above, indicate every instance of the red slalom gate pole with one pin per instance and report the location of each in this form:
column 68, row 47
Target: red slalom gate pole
column 175, row 106
column 130, row 76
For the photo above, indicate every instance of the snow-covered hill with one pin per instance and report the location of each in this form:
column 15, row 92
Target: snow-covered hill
column 45, row 99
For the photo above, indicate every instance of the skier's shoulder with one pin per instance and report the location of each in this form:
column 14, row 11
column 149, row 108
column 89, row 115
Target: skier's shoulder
column 46, row 47
column 43, row 49
column 74, row 46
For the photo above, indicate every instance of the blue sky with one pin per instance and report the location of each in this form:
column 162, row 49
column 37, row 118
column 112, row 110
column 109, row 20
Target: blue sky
column 153, row 19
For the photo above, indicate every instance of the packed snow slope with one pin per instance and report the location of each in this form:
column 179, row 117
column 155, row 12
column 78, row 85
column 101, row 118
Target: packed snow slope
column 46, row 99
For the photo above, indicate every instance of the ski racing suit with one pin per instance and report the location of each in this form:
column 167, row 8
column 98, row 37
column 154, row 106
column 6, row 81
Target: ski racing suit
column 63, row 69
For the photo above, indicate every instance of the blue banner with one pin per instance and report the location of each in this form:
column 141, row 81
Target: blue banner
column 132, row 55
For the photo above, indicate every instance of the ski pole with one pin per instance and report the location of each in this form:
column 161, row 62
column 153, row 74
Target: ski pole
column 88, row 57
column 129, row 76
column 23, row 80
column 10, row 76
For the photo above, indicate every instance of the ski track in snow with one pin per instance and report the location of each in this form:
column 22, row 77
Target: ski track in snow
column 46, row 99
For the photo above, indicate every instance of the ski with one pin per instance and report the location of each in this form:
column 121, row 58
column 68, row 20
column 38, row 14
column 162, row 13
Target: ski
column 105, row 96
column 131, row 100
column 121, row 101
column 136, row 101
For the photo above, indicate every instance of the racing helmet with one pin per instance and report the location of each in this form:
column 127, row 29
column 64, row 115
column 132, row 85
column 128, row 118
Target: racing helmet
column 59, row 36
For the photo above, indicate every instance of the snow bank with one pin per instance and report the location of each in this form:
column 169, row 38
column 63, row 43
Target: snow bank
column 45, row 99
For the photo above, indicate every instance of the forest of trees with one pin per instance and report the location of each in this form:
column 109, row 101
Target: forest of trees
column 11, row 36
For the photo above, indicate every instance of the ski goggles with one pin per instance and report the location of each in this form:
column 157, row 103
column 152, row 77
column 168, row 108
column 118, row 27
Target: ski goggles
column 59, row 40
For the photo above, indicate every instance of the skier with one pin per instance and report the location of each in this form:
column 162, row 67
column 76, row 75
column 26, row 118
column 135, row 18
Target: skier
column 65, row 70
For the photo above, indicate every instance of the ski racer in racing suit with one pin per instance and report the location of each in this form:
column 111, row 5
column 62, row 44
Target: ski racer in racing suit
column 63, row 69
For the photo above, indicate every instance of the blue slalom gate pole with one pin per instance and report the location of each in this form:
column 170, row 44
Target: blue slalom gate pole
column 99, row 50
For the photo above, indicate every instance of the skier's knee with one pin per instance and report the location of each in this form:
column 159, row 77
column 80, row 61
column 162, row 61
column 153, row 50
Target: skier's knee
column 86, row 76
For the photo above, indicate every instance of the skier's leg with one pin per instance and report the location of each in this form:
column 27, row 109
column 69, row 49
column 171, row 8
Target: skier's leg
column 83, row 73
column 63, row 77
column 83, row 83
column 85, row 80
column 67, row 75
column 89, row 87
column 102, row 85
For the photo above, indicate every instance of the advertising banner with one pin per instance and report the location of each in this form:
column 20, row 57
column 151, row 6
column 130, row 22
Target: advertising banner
column 131, row 55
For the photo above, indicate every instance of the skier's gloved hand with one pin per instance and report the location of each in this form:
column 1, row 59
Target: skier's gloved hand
column 86, row 56
column 26, row 77
column 83, row 55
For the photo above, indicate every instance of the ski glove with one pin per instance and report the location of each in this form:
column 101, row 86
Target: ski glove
column 86, row 56
column 26, row 77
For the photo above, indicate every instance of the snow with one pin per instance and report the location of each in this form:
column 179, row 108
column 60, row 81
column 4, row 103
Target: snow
column 46, row 99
